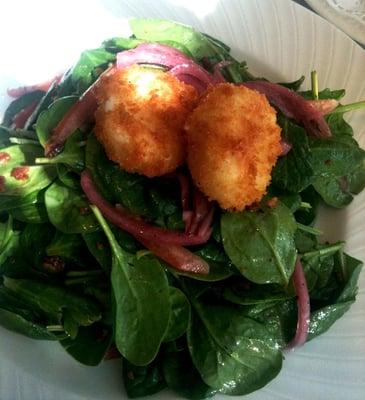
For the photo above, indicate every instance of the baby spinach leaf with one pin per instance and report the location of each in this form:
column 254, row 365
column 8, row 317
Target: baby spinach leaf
column 98, row 245
column 117, row 44
column 19, row 104
column 261, row 244
column 339, row 127
column 64, row 245
column 157, row 30
column 32, row 213
column 49, row 118
column 295, row 85
column 68, row 177
column 68, row 209
column 333, row 192
column 90, row 344
column 142, row 303
column 142, row 381
column 183, row 378
column 294, row 172
column 54, row 301
column 356, row 179
column 8, row 240
column 179, row 315
column 231, row 352
column 82, row 73
column 17, row 323
column 18, row 155
column 324, row 94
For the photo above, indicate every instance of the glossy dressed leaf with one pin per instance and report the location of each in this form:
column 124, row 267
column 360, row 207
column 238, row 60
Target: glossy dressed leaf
column 142, row 302
column 98, row 245
column 19, row 324
column 32, row 213
column 295, row 85
column 49, row 118
column 82, row 73
column 324, row 94
column 64, row 245
column 179, row 315
column 142, row 381
column 231, row 352
column 68, row 177
column 18, row 155
column 183, row 378
column 117, row 44
column 8, row 240
column 333, row 192
column 157, row 30
column 261, row 244
column 90, row 344
column 54, row 300
column 68, row 209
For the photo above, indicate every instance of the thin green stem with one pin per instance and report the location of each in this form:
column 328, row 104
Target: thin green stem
column 77, row 274
column 16, row 140
column 305, row 205
column 348, row 107
column 55, row 328
column 327, row 250
column 314, row 81
column 309, row 229
column 45, row 160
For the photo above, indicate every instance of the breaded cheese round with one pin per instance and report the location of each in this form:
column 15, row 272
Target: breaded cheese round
column 233, row 144
column 140, row 119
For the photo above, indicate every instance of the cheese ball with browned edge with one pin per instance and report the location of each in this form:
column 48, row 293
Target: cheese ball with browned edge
column 140, row 119
column 233, row 144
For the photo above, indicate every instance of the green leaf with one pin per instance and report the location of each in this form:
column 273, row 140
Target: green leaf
column 64, row 245
column 49, row 118
column 179, row 315
column 142, row 303
column 16, row 323
column 295, row 85
column 117, row 44
column 261, row 244
column 157, row 30
column 231, row 352
column 32, row 213
column 82, row 73
column 324, row 94
column 8, row 240
column 333, row 192
column 90, row 344
column 68, row 177
column 140, row 381
column 183, row 378
column 54, row 301
column 19, row 104
column 98, row 245
column 68, row 209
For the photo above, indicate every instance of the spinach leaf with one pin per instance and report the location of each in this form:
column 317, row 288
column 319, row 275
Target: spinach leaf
column 54, row 301
column 295, row 85
column 8, row 240
column 261, row 244
column 68, row 209
column 49, row 118
column 356, row 179
column 231, row 352
column 19, row 104
column 64, row 245
column 183, row 378
column 68, row 177
column 98, row 245
column 158, row 30
column 90, row 344
column 82, row 74
column 142, row 381
column 117, row 44
column 324, row 94
column 333, row 191
column 142, row 303
column 32, row 213
column 179, row 315
column 294, row 172
column 17, row 323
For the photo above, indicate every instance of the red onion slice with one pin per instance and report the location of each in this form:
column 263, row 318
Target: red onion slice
column 22, row 116
column 217, row 73
column 303, row 301
column 324, row 106
column 133, row 225
column 193, row 74
column 83, row 110
column 293, row 106
column 152, row 53
column 44, row 86
column 177, row 256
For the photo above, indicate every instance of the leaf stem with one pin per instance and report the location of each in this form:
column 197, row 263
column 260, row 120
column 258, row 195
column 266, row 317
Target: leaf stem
column 314, row 81
column 45, row 160
column 348, row 107
column 83, row 273
column 325, row 251
column 309, row 229
column 305, row 205
column 18, row 140
column 54, row 328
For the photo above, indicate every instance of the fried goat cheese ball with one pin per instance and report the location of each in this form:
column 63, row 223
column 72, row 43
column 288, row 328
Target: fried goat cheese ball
column 233, row 144
column 140, row 119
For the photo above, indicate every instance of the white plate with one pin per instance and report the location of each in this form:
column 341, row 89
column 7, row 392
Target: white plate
column 279, row 40
column 348, row 15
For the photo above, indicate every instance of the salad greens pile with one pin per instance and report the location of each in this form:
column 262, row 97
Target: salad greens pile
column 69, row 276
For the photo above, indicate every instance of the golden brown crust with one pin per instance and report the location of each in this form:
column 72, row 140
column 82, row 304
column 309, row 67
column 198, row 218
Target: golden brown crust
column 140, row 119
column 233, row 144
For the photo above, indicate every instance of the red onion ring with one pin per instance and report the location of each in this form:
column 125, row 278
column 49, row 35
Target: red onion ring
column 293, row 106
column 134, row 226
column 303, row 301
column 324, row 106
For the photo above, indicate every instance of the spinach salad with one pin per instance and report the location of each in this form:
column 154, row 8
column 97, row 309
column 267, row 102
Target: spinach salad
column 70, row 274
